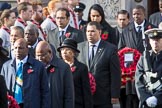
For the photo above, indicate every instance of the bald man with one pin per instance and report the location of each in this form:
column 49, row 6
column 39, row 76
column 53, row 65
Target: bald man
column 59, row 76
column 26, row 78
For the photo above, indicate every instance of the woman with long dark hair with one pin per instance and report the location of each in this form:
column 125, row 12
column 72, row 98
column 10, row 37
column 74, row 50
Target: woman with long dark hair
column 96, row 13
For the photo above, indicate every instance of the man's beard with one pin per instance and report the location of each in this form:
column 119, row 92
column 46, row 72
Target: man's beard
column 38, row 18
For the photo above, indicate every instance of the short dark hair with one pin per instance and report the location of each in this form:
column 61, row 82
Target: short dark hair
column 36, row 4
column 64, row 9
column 125, row 12
column 98, row 26
column 23, row 6
column 140, row 7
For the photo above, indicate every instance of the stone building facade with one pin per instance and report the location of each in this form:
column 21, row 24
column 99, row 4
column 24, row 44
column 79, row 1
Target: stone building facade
column 111, row 7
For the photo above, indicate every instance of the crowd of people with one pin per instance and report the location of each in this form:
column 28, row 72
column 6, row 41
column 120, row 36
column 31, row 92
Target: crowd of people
column 51, row 58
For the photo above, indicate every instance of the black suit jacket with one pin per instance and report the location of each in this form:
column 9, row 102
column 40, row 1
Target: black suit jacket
column 130, row 37
column 61, row 84
column 82, row 24
column 3, row 93
column 53, row 36
column 83, row 97
column 106, row 70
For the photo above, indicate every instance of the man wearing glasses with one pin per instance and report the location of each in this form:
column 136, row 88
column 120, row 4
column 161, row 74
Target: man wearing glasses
column 64, row 30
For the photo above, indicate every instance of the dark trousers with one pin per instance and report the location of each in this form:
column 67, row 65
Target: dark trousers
column 123, row 98
column 128, row 101
column 21, row 105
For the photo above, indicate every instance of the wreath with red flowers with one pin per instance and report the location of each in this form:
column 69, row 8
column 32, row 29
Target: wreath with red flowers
column 92, row 82
column 128, row 72
column 12, row 102
column 105, row 35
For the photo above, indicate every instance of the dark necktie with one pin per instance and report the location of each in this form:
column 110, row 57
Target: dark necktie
column 19, row 83
column 61, row 37
column 139, row 29
column 92, row 54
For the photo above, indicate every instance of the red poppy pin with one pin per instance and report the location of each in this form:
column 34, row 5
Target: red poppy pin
column 52, row 70
column 73, row 68
column 105, row 36
column 67, row 35
column 149, row 27
column 30, row 70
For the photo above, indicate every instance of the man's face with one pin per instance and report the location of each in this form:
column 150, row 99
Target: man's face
column 93, row 34
column 122, row 20
column 138, row 16
column 95, row 16
column 38, row 14
column 79, row 14
column 156, row 44
column 28, row 13
column 160, row 6
column 43, row 55
column 30, row 36
column 20, row 50
column 61, row 19
column 15, row 35
column 12, row 19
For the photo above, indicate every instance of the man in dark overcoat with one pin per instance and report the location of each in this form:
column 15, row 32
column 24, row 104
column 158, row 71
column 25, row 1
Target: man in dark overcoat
column 102, row 60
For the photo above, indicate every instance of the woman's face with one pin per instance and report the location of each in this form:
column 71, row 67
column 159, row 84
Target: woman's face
column 95, row 16
column 67, row 54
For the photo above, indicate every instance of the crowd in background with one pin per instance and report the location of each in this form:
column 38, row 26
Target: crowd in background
column 51, row 58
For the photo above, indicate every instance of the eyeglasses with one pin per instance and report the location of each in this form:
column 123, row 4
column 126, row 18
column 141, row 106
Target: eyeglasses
column 61, row 18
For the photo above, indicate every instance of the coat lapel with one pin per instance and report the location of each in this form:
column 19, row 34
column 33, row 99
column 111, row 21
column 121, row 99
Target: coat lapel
column 99, row 51
column 86, row 48
column 132, row 32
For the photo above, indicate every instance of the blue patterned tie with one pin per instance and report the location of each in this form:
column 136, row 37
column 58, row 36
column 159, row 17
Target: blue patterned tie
column 19, row 82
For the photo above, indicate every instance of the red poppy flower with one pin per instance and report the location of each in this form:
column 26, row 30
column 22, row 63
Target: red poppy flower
column 105, row 36
column 52, row 70
column 12, row 102
column 73, row 68
column 149, row 27
column 67, row 35
column 92, row 82
column 128, row 72
column 30, row 71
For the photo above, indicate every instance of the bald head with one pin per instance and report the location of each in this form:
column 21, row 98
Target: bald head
column 43, row 52
column 20, row 49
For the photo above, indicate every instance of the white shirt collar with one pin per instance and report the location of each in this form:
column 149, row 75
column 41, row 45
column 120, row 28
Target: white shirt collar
column 64, row 28
column 23, row 60
column 96, row 44
column 142, row 24
column 33, row 46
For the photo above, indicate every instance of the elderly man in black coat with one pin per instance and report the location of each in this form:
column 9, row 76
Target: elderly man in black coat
column 59, row 77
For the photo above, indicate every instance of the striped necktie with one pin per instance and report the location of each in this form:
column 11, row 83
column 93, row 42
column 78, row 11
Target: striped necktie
column 19, row 83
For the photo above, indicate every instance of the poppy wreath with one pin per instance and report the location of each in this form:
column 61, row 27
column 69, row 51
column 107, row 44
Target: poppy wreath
column 128, row 72
column 92, row 82
column 12, row 102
